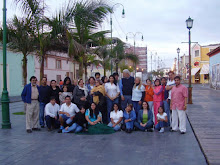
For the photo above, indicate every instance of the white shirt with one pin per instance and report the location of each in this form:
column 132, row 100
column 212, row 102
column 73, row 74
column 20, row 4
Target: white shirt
column 111, row 89
column 137, row 93
column 51, row 109
column 170, row 83
column 72, row 109
column 116, row 116
column 161, row 116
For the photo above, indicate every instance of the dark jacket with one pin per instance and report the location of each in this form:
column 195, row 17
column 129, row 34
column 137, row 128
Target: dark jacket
column 26, row 93
column 140, row 116
column 55, row 93
column 80, row 119
column 77, row 94
column 44, row 94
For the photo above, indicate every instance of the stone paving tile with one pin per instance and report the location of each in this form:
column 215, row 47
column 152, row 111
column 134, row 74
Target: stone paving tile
column 139, row 148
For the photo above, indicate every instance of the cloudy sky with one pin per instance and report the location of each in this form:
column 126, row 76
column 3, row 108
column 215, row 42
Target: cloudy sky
column 162, row 23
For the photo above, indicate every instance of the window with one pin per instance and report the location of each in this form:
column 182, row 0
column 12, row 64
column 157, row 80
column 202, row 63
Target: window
column 58, row 78
column 197, row 53
column 206, row 76
column 58, row 64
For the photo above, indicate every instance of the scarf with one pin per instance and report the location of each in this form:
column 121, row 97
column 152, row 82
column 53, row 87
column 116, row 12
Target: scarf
column 84, row 89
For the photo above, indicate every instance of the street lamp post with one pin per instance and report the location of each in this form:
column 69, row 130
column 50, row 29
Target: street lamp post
column 178, row 52
column 134, row 36
column 123, row 14
column 5, row 100
column 189, row 25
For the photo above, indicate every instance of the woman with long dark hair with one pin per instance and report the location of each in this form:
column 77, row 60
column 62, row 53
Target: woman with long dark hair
column 112, row 93
column 144, row 118
column 54, row 91
column 116, row 116
column 67, row 82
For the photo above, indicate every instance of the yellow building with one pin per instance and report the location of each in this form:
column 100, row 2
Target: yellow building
column 200, row 62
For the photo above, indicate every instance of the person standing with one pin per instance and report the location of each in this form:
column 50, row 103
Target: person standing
column 97, row 76
column 54, row 91
column 112, row 93
column 149, row 93
column 165, row 95
column 138, row 94
column 30, row 96
column 157, row 98
column 44, row 99
column 126, row 85
column 67, row 82
column 90, row 86
column 63, row 94
column 104, row 80
column 179, row 96
column 51, row 114
column 67, row 112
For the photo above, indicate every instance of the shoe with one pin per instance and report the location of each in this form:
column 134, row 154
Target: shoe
column 59, row 131
column 49, row 129
column 36, row 129
column 173, row 130
column 161, row 130
column 129, row 131
column 29, row 131
column 42, row 126
column 182, row 132
column 150, row 130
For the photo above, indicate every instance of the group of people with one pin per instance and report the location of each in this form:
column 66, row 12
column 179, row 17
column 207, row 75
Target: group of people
column 106, row 104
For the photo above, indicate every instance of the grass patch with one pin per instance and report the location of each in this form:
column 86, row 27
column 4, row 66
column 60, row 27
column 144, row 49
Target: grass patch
column 18, row 113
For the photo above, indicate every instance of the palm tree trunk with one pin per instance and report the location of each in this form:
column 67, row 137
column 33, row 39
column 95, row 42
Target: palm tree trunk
column 42, row 67
column 80, row 69
column 85, row 66
column 117, row 67
column 24, row 68
column 104, row 70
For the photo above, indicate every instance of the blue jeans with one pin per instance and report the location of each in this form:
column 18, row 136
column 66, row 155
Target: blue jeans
column 129, row 125
column 41, row 114
column 74, row 128
column 167, row 110
column 110, row 106
column 125, row 102
column 51, row 122
column 116, row 128
column 148, row 126
column 136, row 106
column 66, row 118
column 160, row 125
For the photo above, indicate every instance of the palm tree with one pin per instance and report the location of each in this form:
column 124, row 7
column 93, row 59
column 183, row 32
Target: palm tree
column 20, row 39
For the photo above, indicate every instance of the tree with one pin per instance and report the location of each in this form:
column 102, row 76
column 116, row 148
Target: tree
column 20, row 39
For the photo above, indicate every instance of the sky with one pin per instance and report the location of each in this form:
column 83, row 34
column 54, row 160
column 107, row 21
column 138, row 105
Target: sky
column 162, row 23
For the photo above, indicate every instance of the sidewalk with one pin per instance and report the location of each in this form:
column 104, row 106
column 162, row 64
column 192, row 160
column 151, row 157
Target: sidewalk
column 13, row 99
column 204, row 117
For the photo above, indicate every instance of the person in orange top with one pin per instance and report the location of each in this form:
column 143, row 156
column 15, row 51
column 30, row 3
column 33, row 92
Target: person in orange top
column 149, row 92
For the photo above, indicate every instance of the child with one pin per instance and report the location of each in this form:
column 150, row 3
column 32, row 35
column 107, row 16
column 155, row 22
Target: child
column 64, row 94
column 78, row 122
column 162, row 120
column 129, row 118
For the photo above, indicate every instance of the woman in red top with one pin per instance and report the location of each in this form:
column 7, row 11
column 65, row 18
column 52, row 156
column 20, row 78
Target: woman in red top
column 149, row 92
column 157, row 98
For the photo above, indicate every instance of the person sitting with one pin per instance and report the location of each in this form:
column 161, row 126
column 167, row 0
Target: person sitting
column 93, row 116
column 79, row 122
column 67, row 112
column 116, row 116
column 162, row 120
column 145, row 118
column 51, row 114
column 64, row 94
column 129, row 118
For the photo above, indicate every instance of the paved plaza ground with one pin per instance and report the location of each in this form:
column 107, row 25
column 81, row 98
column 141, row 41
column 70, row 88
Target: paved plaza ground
column 138, row 148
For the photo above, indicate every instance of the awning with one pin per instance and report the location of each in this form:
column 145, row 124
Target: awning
column 205, row 69
column 194, row 71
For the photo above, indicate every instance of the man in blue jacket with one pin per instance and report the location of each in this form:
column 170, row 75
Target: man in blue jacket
column 30, row 96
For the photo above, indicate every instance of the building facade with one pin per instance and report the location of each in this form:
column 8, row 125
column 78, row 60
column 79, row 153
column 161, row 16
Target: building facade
column 214, row 68
column 200, row 62
column 184, row 67
column 57, row 66
column 14, row 72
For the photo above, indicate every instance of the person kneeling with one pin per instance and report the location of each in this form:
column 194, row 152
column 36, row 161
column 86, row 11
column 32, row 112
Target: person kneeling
column 78, row 122
column 67, row 112
column 51, row 114
column 145, row 118
column 116, row 117
column 162, row 120
column 129, row 118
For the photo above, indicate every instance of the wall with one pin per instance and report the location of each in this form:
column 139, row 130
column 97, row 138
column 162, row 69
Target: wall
column 14, row 72
column 215, row 77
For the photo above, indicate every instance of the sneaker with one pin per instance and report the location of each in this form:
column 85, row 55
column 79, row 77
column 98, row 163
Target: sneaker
column 161, row 130
column 36, row 129
column 29, row 131
column 182, row 132
column 173, row 130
